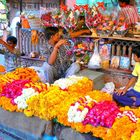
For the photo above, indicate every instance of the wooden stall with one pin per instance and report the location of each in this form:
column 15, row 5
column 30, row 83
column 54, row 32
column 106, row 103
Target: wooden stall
column 121, row 46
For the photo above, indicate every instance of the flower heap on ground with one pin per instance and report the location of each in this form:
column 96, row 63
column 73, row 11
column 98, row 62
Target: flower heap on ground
column 26, row 73
column 47, row 104
column 7, row 78
column 73, row 103
column 128, row 117
column 2, row 69
column 18, row 74
column 14, row 93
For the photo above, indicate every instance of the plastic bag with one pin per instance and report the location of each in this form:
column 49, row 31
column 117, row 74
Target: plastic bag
column 95, row 60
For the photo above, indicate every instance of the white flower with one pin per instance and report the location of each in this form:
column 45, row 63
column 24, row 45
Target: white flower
column 64, row 83
column 26, row 94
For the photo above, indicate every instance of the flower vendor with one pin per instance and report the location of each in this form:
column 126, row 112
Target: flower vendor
column 131, row 17
column 131, row 97
column 11, row 52
column 57, row 62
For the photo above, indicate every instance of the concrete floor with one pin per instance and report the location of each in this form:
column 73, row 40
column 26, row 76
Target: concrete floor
column 4, row 135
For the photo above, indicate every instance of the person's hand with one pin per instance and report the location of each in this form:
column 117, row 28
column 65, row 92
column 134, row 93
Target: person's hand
column 121, row 91
column 60, row 43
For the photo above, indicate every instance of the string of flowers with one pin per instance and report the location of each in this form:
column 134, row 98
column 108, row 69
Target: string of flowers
column 26, row 73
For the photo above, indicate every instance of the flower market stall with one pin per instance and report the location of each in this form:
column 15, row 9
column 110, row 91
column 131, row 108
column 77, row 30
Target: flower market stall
column 72, row 105
column 114, row 50
column 72, row 101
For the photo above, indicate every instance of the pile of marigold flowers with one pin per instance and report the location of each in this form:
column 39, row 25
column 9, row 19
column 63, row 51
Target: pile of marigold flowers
column 26, row 73
column 2, row 69
column 14, row 94
column 73, row 103
column 47, row 104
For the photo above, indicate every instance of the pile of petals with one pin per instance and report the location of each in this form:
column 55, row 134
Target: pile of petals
column 75, row 84
column 30, row 89
column 26, row 94
column 7, row 78
column 26, row 73
column 38, row 86
column 102, row 113
column 46, row 104
column 2, row 69
column 64, row 83
column 14, row 89
column 78, row 111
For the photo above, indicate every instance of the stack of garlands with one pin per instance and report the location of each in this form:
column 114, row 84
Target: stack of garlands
column 16, row 93
column 75, row 84
column 30, row 90
column 7, row 78
column 46, row 104
column 129, row 118
column 71, row 99
column 11, row 91
column 26, row 73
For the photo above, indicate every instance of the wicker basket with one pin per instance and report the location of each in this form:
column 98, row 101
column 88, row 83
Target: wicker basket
column 35, row 23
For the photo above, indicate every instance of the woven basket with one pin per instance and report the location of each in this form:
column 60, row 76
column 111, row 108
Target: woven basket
column 35, row 22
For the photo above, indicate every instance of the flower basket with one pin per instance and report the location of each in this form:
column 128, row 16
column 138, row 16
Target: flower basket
column 120, row 33
column 104, row 33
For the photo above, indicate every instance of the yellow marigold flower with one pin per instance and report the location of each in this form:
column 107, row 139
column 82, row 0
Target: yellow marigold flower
column 28, row 113
column 136, row 135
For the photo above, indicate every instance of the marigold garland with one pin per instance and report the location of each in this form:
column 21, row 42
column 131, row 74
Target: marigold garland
column 2, row 69
column 53, row 102
column 26, row 73
column 5, row 103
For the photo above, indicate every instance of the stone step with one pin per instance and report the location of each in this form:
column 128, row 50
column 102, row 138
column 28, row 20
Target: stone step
column 96, row 77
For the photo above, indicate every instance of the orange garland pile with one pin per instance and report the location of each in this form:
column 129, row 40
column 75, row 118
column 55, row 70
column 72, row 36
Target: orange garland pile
column 2, row 69
column 53, row 102
column 18, row 74
column 26, row 73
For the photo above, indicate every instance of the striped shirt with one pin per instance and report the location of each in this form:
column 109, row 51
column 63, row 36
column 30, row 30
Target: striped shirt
column 130, row 13
column 12, row 61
